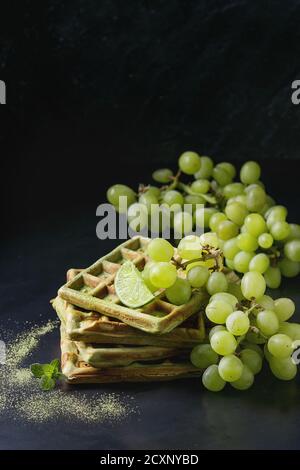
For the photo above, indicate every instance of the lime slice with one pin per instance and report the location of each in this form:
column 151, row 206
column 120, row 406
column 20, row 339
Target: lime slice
column 130, row 287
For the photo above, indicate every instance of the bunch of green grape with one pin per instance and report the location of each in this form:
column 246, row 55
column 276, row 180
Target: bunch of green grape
column 246, row 233
column 245, row 325
column 252, row 229
column 244, row 333
column 198, row 265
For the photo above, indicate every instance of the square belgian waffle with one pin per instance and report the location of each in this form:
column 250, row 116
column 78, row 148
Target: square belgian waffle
column 77, row 370
column 93, row 327
column 93, row 289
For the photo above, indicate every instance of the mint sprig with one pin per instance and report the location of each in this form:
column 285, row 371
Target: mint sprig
column 48, row 374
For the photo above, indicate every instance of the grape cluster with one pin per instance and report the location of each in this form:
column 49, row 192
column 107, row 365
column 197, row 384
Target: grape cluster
column 246, row 332
column 252, row 229
column 247, row 247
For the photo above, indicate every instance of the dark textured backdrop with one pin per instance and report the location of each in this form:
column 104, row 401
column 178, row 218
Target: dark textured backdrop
column 106, row 91
column 99, row 92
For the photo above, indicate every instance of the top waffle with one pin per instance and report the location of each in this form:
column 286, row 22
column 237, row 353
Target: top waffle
column 93, row 289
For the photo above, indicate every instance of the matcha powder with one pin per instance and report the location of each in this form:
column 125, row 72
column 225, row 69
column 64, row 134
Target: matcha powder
column 21, row 397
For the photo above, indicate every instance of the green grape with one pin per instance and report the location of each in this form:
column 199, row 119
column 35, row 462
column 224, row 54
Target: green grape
column 267, row 322
column 260, row 263
column 284, row 308
column 267, row 354
column 200, row 186
column 235, row 289
column 183, row 223
column 265, row 240
column 221, row 176
column 283, row 369
column 278, row 212
column 206, row 168
column 189, row 162
column 238, row 323
column 217, row 282
column 229, row 167
column 148, row 199
column 292, row 250
column 202, row 216
column 154, row 190
column 120, row 190
column 223, row 342
column 211, row 379
column 173, row 197
column 273, row 277
column 294, row 232
column 225, row 297
column 253, row 347
column 230, row 248
column 217, row 311
column 289, row 268
column 230, row 264
column 247, row 242
column 242, row 260
column 163, row 175
column 180, row 292
column 215, row 329
column 190, row 247
column 215, row 220
column 241, row 199
column 253, row 285
column 194, row 201
column 280, row 346
column 230, row 368
column 290, row 329
column 233, row 189
column 266, row 302
column 198, row 276
column 255, row 224
column 209, row 238
column 256, row 198
column 280, row 230
column 245, row 381
column 236, row 212
column 160, row 250
column 203, row 356
column 146, row 277
column 162, row 274
column 250, row 172
column 252, row 359
column 227, row 229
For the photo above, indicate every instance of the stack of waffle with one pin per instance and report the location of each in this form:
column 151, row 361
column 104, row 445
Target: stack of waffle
column 104, row 341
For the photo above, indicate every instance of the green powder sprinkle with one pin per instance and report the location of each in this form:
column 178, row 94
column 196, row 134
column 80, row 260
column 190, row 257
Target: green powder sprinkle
column 22, row 399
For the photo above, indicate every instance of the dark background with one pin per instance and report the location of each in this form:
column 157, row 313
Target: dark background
column 100, row 92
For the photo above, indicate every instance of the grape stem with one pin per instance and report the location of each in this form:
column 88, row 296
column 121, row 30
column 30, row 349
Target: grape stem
column 207, row 197
column 209, row 253
column 174, row 182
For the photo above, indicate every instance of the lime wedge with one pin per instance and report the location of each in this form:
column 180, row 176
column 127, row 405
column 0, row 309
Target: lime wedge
column 130, row 286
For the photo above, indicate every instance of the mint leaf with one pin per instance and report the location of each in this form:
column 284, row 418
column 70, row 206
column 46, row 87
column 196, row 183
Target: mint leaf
column 48, row 374
column 47, row 383
column 47, row 370
column 55, row 364
column 37, row 370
